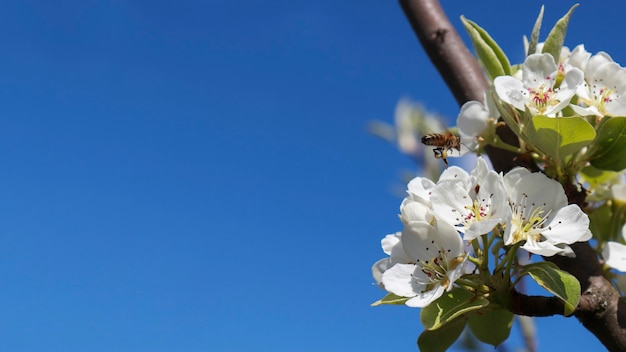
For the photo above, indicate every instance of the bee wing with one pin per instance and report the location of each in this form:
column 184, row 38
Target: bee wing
column 458, row 153
column 431, row 124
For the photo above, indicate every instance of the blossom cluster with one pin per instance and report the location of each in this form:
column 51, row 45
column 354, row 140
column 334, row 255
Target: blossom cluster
column 430, row 253
column 591, row 85
column 466, row 240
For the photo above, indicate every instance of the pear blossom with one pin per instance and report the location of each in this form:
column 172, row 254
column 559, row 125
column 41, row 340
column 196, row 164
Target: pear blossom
column 614, row 253
column 536, row 91
column 603, row 91
column 540, row 215
column 475, row 203
column 438, row 259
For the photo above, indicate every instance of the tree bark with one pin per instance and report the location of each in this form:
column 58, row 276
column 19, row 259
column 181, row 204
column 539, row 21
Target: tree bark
column 600, row 308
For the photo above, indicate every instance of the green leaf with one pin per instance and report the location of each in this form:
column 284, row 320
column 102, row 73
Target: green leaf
column 491, row 326
column 558, row 282
column 439, row 340
column 489, row 53
column 390, row 298
column 607, row 151
column 450, row 306
column 558, row 137
column 534, row 37
column 554, row 42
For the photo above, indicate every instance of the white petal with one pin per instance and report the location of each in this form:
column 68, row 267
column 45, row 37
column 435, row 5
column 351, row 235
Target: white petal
column 399, row 280
column 425, row 298
column 419, row 189
column 571, row 82
column 417, row 240
column 512, row 178
column 411, row 210
column 544, row 248
column 457, row 272
column 392, row 246
column 540, row 189
column 511, row 91
column 570, row 224
column 422, row 241
column 379, row 268
column 493, row 187
column 390, row 241
column 586, row 111
column 481, row 170
column 472, row 119
column 450, row 239
column 614, row 255
column 450, row 201
column 480, row 228
column 595, row 62
column 617, row 107
column 579, row 57
column 573, row 78
column 455, row 173
column 539, row 70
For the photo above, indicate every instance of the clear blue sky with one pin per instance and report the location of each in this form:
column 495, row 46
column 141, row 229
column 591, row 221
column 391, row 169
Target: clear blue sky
column 197, row 175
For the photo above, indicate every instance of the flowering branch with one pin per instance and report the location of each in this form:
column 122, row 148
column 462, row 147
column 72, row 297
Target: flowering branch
column 600, row 308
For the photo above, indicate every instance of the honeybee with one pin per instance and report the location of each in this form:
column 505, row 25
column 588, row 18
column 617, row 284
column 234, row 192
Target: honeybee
column 444, row 142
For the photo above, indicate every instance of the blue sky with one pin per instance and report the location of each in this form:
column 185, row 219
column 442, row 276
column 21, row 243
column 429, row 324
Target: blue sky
column 198, row 176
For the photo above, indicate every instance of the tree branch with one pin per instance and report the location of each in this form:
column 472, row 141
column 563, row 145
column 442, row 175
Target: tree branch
column 535, row 306
column 600, row 309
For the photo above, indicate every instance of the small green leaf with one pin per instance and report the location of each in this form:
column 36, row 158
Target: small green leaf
column 489, row 53
column 607, row 151
column 390, row 298
column 491, row 326
column 558, row 282
column 439, row 340
column 534, row 37
column 558, row 137
column 449, row 306
column 554, row 42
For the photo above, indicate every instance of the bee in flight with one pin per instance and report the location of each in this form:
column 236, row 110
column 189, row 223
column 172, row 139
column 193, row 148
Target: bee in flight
column 444, row 142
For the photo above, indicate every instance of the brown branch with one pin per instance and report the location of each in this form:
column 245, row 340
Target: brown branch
column 535, row 306
column 599, row 309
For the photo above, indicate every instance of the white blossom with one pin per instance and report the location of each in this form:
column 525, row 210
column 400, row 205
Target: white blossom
column 604, row 87
column 475, row 203
column 541, row 216
column 437, row 257
column 536, row 91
